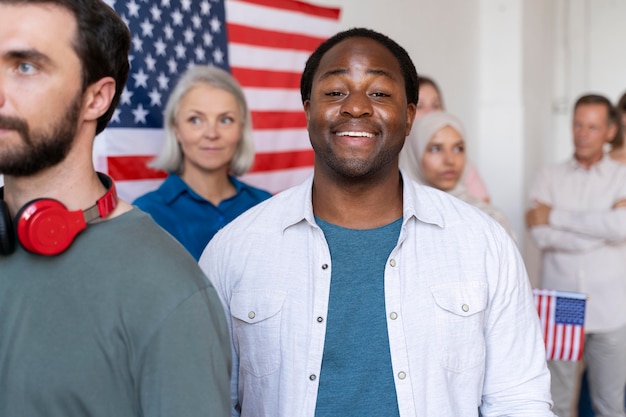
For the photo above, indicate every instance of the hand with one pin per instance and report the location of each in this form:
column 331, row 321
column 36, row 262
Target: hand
column 539, row 214
column 619, row 204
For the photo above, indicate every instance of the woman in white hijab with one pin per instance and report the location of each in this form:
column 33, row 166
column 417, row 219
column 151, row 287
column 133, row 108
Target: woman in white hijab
column 435, row 156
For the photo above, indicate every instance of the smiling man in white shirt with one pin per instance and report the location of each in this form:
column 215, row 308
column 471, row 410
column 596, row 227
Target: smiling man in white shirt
column 578, row 220
column 362, row 293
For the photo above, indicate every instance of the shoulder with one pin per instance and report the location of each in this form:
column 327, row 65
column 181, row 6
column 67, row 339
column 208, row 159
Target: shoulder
column 258, row 193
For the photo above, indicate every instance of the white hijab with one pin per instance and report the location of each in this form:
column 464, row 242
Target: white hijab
column 413, row 151
column 415, row 146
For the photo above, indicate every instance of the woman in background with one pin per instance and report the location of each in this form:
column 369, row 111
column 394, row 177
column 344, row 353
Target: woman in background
column 430, row 99
column 208, row 142
column 436, row 157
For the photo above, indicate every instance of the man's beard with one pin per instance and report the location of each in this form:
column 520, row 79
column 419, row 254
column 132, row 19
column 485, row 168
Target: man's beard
column 43, row 148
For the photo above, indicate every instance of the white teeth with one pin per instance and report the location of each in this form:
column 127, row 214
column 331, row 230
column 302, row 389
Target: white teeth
column 359, row 134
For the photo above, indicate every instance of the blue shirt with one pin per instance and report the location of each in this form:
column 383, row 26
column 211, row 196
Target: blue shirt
column 357, row 377
column 192, row 219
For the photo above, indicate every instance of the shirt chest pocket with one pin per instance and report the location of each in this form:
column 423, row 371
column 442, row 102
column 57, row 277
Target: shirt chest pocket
column 256, row 329
column 460, row 315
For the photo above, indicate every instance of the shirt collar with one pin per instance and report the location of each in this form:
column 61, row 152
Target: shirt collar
column 174, row 186
column 418, row 203
column 601, row 166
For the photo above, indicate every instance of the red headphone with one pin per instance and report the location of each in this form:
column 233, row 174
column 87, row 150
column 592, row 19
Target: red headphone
column 46, row 227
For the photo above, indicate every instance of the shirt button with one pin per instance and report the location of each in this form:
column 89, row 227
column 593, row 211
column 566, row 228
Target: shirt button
column 251, row 315
column 312, row 377
column 392, row 262
column 325, row 266
column 401, row 375
column 393, row 315
column 320, row 319
column 465, row 308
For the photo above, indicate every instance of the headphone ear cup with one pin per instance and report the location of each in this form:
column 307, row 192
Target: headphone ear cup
column 7, row 233
column 47, row 227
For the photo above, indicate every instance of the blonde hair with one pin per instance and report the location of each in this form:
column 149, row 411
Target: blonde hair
column 170, row 158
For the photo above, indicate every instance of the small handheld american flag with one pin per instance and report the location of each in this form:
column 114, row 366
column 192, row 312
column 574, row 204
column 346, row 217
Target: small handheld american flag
column 562, row 317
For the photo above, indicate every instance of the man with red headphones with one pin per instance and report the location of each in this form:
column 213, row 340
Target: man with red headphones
column 101, row 312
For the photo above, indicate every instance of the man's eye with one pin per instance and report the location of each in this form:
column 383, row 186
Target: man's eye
column 334, row 94
column 26, row 68
column 380, row 94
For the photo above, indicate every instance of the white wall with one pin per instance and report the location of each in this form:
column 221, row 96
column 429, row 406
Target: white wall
column 511, row 70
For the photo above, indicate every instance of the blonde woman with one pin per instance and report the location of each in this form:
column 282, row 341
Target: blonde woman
column 208, row 143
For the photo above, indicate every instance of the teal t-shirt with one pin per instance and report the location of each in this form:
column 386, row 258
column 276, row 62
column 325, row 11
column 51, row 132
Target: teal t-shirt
column 357, row 377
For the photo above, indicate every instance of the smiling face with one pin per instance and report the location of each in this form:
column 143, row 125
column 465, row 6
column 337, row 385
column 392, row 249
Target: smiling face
column 40, row 89
column 358, row 116
column 592, row 130
column 209, row 126
column 444, row 159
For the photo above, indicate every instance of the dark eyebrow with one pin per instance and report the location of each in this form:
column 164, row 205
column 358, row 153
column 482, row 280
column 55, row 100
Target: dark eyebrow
column 343, row 71
column 28, row 55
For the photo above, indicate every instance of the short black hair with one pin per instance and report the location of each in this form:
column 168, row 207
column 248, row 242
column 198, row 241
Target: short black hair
column 411, row 83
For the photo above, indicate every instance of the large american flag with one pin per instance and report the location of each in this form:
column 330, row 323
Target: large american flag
column 562, row 317
column 263, row 43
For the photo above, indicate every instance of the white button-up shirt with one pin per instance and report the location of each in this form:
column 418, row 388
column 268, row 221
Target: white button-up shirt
column 463, row 328
column 584, row 246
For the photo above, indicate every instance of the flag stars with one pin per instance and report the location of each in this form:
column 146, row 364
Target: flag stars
column 155, row 97
column 177, row 18
column 188, row 35
column 218, row 56
column 205, row 8
column 156, row 13
column 116, row 116
column 146, row 28
column 207, row 39
column 165, row 3
column 140, row 114
column 150, row 63
column 172, row 66
column 137, row 43
column 169, row 32
column 180, row 50
column 196, row 21
column 141, row 79
column 126, row 96
column 133, row 8
column 164, row 81
column 199, row 53
column 216, row 25
column 159, row 47
column 186, row 5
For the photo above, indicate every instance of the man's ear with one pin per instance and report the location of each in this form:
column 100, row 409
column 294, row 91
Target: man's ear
column 98, row 98
column 612, row 131
column 411, row 109
column 307, row 107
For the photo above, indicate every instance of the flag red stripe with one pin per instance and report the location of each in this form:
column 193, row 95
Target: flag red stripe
column 262, row 37
column 581, row 347
column 276, row 119
column 128, row 168
column 266, row 79
column 282, row 160
column 297, row 6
